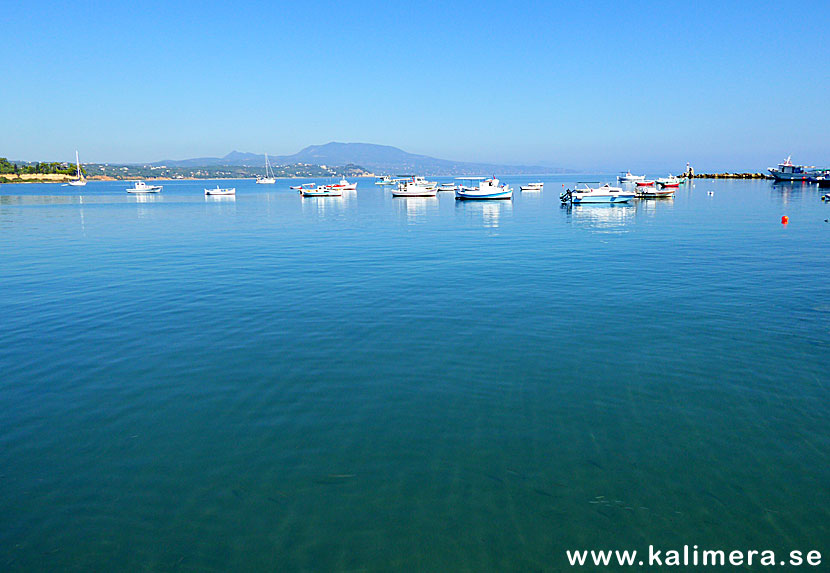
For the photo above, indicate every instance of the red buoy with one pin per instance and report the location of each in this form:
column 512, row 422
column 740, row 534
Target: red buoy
column 785, row 220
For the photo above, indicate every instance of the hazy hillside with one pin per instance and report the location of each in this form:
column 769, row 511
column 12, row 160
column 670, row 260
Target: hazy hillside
column 376, row 158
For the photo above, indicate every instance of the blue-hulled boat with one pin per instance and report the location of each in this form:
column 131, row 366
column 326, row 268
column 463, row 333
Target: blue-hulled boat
column 486, row 189
column 584, row 193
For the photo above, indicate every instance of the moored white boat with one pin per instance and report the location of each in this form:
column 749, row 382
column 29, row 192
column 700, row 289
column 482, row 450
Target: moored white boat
column 532, row 187
column 413, row 189
column 601, row 194
column 654, row 192
column 447, row 187
column 485, row 189
column 418, row 179
column 142, row 187
column 324, row 191
column 79, row 180
column 384, row 180
column 627, row 177
column 670, row 181
column 220, row 191
column 269, row 178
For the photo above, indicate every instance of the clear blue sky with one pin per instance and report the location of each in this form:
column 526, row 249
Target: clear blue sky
column 607, row 85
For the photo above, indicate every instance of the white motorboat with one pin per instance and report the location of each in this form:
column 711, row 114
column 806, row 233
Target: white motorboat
column 532, row 187
column 447, row 187
column 385, row 180
column 627, row 177
column 269, row 178
column 583, row 192
column 482, row 188
column 79, row 180
column 219, row 191
column 142, row 187
column 413, row 189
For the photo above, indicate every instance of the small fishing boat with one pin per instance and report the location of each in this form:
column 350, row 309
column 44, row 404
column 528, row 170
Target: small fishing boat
column 413, row 189
column 79, row 180
column 584, row 193
column 417, row 179
column 532, row 187
column 219, row 191
column 627, row 177
column 646, row 183
column 384, row 180
column 142, row 187
column 343, row 185
column 447, row 187
column 654, row 192
column 485, row 189
column 324, row 191
column 269, row 178
column 670, row 181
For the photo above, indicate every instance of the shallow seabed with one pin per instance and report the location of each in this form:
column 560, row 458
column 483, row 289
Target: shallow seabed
column 370, row 383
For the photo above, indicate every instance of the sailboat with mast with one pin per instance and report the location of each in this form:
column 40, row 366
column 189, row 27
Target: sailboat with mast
column 79, row 180
column 269, row 178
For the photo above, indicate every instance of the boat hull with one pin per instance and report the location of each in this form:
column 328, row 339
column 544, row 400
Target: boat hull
column 266, row 181
column 601, row 199
column 328, row 193
column 473, row 196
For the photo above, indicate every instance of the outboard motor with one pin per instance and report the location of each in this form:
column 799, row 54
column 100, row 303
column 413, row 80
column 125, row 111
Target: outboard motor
column 566, row 196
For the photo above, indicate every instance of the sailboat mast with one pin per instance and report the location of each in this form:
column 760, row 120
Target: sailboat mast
column 77, row 164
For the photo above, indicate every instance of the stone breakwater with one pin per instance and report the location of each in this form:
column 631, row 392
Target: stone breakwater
column 731, row 176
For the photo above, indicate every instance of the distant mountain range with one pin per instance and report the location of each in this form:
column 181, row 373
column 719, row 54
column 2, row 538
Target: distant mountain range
column 376, row 158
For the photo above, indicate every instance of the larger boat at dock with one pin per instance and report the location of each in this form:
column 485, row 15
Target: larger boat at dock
column 788, row 172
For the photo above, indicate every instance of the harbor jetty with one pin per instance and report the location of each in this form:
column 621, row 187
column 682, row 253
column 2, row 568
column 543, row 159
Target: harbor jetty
column 729, row 176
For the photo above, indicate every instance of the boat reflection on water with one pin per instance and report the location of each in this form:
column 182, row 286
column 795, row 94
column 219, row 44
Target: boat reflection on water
column 602, row 217
column 416, row 209
column 650, row 206
column 490, row 213
column 145, row 197
column 331, row 207
column 142, row 199
column 222, row 204
column 786, row 191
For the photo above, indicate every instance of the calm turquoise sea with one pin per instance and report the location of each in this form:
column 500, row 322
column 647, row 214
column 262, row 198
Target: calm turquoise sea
column 376, row 384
